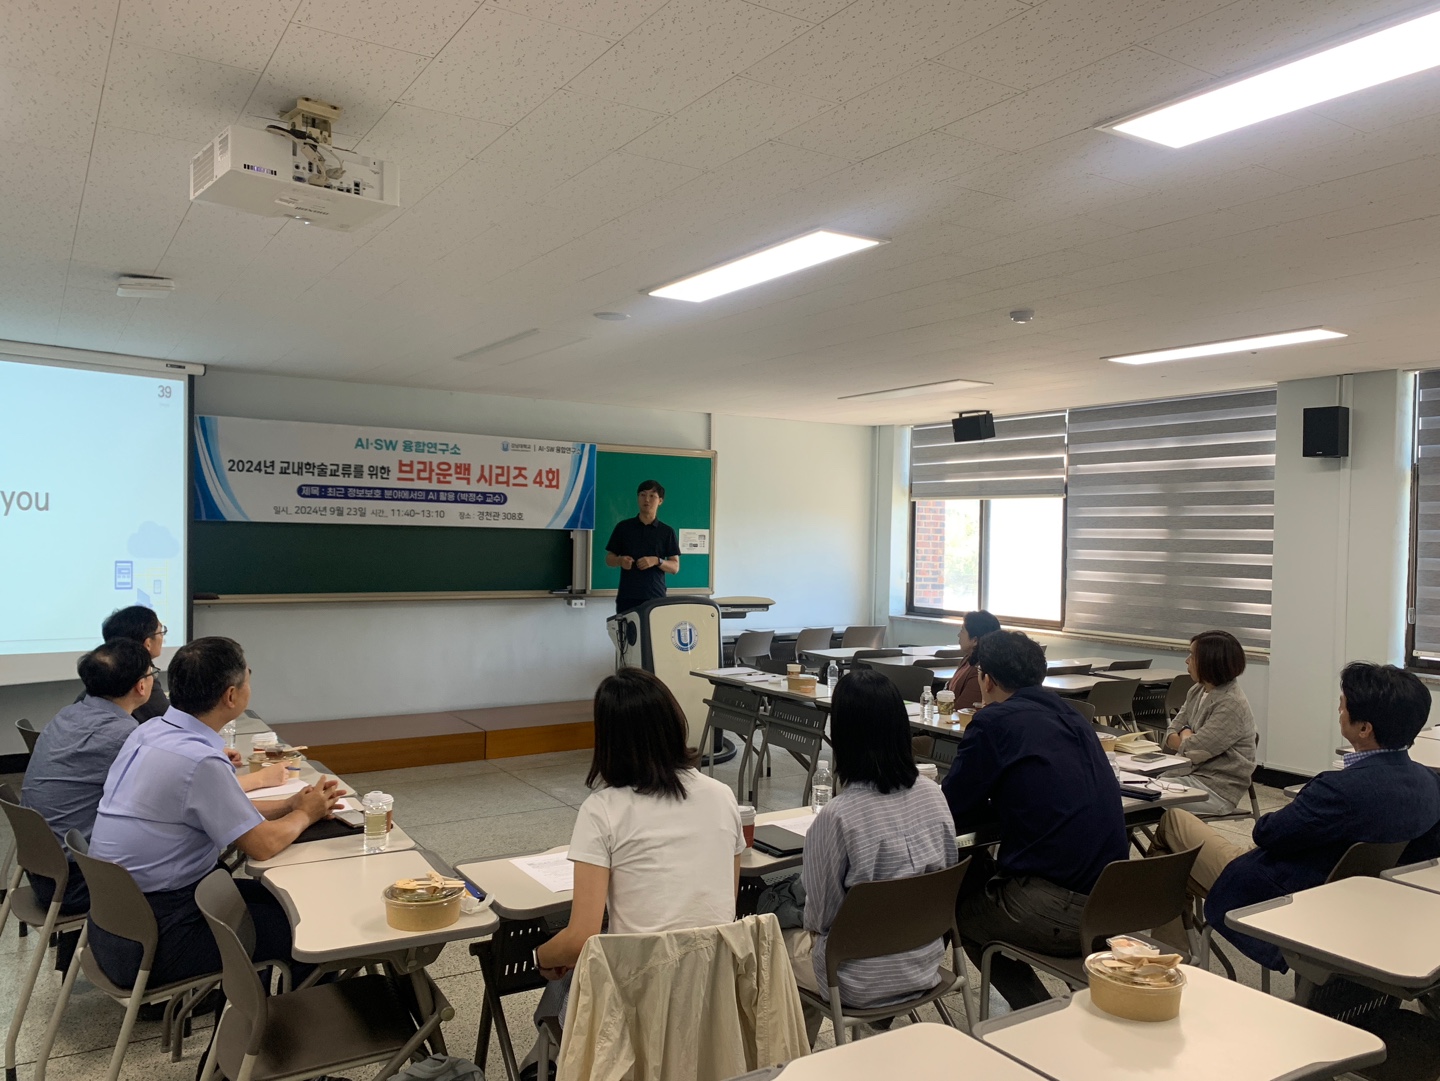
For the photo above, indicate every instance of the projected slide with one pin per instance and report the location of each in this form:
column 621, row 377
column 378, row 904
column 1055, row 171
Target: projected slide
column 92, row 509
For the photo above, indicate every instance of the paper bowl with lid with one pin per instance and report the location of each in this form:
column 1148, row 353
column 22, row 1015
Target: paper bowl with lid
column 422, row 909
column 1113, row 992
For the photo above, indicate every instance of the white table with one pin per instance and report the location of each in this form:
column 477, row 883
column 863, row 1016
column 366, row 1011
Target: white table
column 845, row 654
column 1147, row 675
column 1425, row 876
column 1426, row 752
column 1225, row 1031
column 1088, row 662
column 332, row 848
column 916, row 1052
column 1150, row 769
column 1380, row 932
column 337, row 911
column 1072, row 684
column 250, row 722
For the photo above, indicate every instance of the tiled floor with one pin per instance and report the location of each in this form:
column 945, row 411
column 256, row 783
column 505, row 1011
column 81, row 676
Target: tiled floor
column 462, row 811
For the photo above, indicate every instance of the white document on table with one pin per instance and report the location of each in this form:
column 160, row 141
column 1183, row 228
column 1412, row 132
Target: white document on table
column 799, row 824
column 1155, row 765
column 553, row 870
column 279, row 791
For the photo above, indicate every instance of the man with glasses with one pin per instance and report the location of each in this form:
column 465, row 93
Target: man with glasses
column 140, row 624
column 66, row 774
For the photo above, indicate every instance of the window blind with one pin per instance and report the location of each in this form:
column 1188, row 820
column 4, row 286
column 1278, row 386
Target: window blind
column 1426, row 590
column 1171, row 517
column 1025, row 458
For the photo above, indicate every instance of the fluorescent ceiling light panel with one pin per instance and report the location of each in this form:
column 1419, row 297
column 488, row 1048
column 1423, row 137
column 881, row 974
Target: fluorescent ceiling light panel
column 1233, row 345
column 918, row 388
column 762, row 266
column 1377, row 58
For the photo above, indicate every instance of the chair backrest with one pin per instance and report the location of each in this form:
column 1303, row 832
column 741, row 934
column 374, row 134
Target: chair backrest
column 1125, row 666
column 765, row 664
column 36, row 847
column 1066, row 669
column 1086, row 709
column 935, row 662
column 795, row 726
column 950, row 653
column 866, row 925
column 867, row 654
column 911, row 680
column 1366, row 859
column 813, row 638
column 1135, row 895
column 863, row 638
column 225, row 911
column 28, row 732
column 116, row 903
column 1175, row 696
column 753, row 644
column 1113, row 697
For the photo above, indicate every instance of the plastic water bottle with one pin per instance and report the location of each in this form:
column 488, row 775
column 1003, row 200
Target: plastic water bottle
column 379, row 810
column 228, row 733
column 821, row 786
column 927, row 706
column 832, row 676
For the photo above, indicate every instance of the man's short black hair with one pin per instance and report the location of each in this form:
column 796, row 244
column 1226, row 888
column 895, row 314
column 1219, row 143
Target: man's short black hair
column 1011, row 659
column 870, row 732
column 651, row 486
column 202, row 671
column 136, row 623
column 112, row 670
column 1392, row 701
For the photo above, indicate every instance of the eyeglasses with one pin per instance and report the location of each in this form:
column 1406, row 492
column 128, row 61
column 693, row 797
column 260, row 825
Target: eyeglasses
column 154, row 672
column 160, row 631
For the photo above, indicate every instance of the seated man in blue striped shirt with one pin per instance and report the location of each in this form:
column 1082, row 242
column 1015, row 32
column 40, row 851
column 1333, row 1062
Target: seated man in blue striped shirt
column 885, row 824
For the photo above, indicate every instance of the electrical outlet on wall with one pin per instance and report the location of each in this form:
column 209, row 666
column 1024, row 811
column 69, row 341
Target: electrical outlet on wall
column 577, row 602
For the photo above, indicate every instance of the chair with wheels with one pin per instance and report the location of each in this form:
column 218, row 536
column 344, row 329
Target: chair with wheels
column 1115, row 698
column 1130, row 897
column 311, row 1032
column 863, row 638
column 866, row 927
column 752, row 646
column 37, row 852
column 736, row 710
column 118, row 906
column 797, row 727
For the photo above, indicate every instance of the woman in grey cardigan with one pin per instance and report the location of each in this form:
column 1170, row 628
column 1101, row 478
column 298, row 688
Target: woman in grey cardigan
column 1215, row 729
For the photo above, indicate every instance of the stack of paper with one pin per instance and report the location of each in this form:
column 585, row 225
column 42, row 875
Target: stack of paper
column 553, row 870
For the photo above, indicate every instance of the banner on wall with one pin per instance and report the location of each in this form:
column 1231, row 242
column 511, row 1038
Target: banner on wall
column 283, row 471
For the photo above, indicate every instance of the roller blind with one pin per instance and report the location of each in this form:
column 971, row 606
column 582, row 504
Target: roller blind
column 1171, row 516
column 1026, row 458
column 1426, row 641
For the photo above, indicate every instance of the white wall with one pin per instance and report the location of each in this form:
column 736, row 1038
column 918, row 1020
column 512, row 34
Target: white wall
column 794, row 513
column 1341, row 533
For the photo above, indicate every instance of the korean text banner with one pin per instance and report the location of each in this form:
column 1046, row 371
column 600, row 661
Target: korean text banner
column 283, row 471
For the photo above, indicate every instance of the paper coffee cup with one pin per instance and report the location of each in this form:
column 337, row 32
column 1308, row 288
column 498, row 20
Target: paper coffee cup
column 747, row 823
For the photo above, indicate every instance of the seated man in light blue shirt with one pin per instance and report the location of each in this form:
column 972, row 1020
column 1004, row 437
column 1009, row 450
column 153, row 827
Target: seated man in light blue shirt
column 72, row 757
column 172, row 805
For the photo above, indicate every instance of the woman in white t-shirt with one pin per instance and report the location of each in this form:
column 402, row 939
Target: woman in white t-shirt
column 659, row 844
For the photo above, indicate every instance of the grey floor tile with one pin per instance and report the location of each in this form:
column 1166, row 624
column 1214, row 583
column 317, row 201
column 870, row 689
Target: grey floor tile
column 540, row 761
column 364, row 782
column 565, row 783
column 498, row 835
column 461, row 799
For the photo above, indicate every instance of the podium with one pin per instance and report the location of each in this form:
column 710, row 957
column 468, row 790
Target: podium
column 672, row 637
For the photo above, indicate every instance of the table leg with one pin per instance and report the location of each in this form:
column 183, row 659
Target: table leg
column 485, row 955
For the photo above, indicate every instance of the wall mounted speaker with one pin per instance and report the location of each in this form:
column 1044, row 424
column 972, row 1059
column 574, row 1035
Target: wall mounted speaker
column 969, row 427
column 1326, row 432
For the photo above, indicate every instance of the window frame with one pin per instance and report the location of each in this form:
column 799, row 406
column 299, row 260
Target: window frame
column 982, row 567
column 1412, row 573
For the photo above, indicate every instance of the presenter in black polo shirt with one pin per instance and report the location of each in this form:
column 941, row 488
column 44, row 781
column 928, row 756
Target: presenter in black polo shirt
column 645, row 549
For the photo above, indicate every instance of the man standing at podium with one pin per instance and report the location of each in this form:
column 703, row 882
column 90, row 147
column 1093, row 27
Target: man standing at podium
column 645, row 549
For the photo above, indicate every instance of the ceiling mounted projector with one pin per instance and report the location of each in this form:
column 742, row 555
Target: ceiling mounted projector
column 293, row 172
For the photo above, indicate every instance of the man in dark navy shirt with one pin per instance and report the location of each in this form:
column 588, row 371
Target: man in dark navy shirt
column 1030, row 763
column 645, row 549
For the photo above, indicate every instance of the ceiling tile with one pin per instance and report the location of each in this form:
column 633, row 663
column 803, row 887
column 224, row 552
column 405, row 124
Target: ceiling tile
column 684, row 51
column 871, row 41
column 426, row 147
column 735, row 117
column 812, row 11
column 1411, row 98
column 48, row 111
column 43, row 189
column 167, row 94
column 616, row 184
column 502, row 65
column 399, row 24
column 55, row 36
column 242, row 35
column 360, row 77
column 1117, row 85
column 925, row 97
column 127, row 219
column 1055, row 38
column 94, row 320
column 611, row 19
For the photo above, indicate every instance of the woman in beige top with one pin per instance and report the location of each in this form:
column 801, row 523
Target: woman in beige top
column 1215, row 729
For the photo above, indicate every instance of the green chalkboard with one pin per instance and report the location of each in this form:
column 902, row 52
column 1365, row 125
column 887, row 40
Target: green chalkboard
column 689, row 482
column 250, row 558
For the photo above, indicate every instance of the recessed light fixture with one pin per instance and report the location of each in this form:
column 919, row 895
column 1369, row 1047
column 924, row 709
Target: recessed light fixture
column 918, row 388
column 1392, row 53
column 146, row 286
column 613, row 317
column 1231, row 345
column 499, row 345
column 808, row 250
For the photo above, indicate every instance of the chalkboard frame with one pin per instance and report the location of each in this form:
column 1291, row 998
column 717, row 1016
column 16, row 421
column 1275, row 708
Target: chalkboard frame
column 590, row 541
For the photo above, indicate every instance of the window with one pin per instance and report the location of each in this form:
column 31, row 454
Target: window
column 1423, row 630
column 989, row 520
column 1003, row 555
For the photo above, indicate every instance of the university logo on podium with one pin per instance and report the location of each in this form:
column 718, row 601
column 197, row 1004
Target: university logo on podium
column 685, row 636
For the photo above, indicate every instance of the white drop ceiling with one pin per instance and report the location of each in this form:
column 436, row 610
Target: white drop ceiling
column 557, row 157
